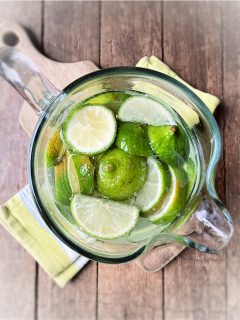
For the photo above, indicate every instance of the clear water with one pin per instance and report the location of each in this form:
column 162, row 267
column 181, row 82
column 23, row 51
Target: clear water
column 144, row 226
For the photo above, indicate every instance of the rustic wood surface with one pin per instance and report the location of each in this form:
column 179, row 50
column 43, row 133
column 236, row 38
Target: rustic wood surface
column 201, row 41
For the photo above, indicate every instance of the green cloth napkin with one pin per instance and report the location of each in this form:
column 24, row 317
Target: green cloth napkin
column 20, row 217
column 154, row 63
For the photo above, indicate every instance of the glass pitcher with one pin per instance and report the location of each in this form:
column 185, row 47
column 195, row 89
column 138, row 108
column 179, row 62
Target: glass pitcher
column 204, row 223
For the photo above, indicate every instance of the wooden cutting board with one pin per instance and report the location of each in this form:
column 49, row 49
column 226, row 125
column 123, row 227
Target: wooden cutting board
column 61, row 74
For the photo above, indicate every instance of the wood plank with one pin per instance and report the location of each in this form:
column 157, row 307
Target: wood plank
column 231, row 40
column 67, row 43
column 128, row 32
column 17, row 268
column 76, row 36
column 193, row 49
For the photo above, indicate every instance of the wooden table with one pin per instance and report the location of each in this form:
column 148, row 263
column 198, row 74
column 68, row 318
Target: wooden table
column 199, row 40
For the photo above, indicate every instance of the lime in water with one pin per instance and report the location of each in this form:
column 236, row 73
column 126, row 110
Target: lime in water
column 122, row 165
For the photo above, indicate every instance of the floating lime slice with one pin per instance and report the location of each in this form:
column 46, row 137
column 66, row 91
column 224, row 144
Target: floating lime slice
column 170, row 144
column 55, row 149
column 176, row 200
column 63, row 190
column 103, row 219
column 120, row 175
column 144, row 110
column 133, row 139
column 89, row 130
column 80, row 174
column 157, row 185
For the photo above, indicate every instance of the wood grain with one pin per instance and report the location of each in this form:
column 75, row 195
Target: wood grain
column 231, row 40
column 17, row 268
column 128, row 32
column 76, row 37
column 78, row 299
column 193, row 49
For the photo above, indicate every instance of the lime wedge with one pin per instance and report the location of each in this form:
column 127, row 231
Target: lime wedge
column 63, row 190
column 80, row 174
column 170, row 143
column 133, row 139
column 55, row 149
column 89, row 130
column 157, row 185
column 144, row 110
column 191, row 171
column 120, row 175
column 176, row 199
column 112, row 100
column 103, row 219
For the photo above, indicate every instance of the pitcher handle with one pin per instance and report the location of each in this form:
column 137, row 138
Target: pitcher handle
column 208, row 229
column 25, row 76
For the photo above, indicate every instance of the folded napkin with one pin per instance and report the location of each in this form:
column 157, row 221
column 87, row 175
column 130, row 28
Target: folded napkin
column 20, row 217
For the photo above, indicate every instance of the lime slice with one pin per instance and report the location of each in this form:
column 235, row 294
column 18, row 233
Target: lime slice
column 80, row 174
column 133, row 139
column 157, row 185
column 144, row 110
column 112, row 100
column 55, row 149
column 170, row 143
column 89, row 130
column 63, row 190
column 103, row 219
column 190, row 169
column 120, row 175
column 176, row 200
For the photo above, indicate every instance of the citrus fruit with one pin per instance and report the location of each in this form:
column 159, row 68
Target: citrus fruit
column 89, row 130
column 144, row 110
column 103, row 219
column 190, row 169
column 63, row 190
column 80, row 174
column 157, row 185
column 170, row 144
column 176, row 199
column 111, row 100
column 55, row 149
column 133, row 139
column 120, row 174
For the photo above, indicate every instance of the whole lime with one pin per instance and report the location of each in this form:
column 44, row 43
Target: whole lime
column 120, row 174
column 133, row 139
column 170, row 143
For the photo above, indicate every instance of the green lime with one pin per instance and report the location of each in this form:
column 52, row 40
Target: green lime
column 133, row 139
column 141, row 109
column 120, row 174
column 89, row 130
column 170, row 144
column 102, row 218
column 63, row 190
column 176, row 199
column 112, row 100
column 80, row 174
column 156, row 187
column 55, row 149
column 190, row 169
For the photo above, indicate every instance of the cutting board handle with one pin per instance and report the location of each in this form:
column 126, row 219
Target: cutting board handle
column 13, row 35
column 21, row 72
